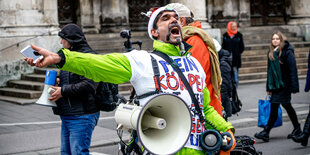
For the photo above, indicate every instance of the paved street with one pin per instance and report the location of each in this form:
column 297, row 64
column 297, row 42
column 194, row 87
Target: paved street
column 33, row 129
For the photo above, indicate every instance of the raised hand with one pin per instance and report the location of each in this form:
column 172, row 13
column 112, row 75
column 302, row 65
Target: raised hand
column 48, row 57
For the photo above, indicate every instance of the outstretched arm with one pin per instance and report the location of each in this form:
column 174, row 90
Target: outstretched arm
column 113, row 68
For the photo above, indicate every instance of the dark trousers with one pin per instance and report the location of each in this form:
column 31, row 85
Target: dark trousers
column 274, row 115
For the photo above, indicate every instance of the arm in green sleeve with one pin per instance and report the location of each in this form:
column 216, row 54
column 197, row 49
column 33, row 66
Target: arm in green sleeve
column 113, row 68
column 212, row 115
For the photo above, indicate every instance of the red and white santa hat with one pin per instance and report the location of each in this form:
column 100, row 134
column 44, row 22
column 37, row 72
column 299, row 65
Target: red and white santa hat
column 153, row 13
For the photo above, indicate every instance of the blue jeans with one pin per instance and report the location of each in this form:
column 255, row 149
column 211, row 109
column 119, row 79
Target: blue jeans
column 236, row 76
column 76, row 132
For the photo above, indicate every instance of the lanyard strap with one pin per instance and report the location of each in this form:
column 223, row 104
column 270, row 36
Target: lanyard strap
column 181, row 75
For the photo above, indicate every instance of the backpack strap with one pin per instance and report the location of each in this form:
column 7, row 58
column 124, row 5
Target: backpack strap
column 156, row 74
column 156, row 80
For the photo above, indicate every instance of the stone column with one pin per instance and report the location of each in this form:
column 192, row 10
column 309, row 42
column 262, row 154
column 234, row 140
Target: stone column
column 244, row 13
column 300, row 12
column 114, row 15
column 97, row 13
column 88, row 16
column 37, row 16
column 199, row 9
column 300, row 16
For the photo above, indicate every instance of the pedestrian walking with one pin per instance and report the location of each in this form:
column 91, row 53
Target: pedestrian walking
column 75, row 100
column 203, row 49
column 233, row 42
column 282, row 81
column 303, row 137
column 226, row 86
column 136, row 67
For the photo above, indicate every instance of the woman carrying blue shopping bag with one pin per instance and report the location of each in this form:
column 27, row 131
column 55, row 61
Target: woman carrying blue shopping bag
column 282, row 80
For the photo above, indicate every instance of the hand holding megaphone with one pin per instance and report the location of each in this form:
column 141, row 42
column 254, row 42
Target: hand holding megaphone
column 212, row 140
column 55, row 93
column 230, row 142
column 227, row 141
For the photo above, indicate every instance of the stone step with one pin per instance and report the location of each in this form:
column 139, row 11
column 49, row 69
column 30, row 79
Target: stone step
column 264, row 56
column 264, row 35
column 124, row 93
column 264, row 68
column 264, row 62
column 109, row 36
column 28, row 85
column 267, row 40
column 269, row 29
column 33, row 77
column 22, row 93
column 264, row 52
column 257, row 69
column 124, row 87
column 263, row 75
column 17, row 100
column 118, row 47
column 43, row 70
column 266, row 46
column 119, row 44
column 119, row 40
column 264, row 80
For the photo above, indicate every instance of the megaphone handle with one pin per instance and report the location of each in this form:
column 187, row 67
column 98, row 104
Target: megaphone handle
column 133, row 146
column 230, row 144
column 51, row 90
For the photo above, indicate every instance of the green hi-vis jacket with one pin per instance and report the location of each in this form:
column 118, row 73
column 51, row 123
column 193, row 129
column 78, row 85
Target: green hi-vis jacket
column 116, row 68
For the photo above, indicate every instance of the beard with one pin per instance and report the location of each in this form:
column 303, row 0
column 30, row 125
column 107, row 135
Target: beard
column 175, row 42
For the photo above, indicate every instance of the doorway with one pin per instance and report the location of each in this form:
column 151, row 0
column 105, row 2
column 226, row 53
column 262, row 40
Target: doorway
column 268, row 12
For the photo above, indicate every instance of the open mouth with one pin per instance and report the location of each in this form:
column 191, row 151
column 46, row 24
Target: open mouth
column 175, row 30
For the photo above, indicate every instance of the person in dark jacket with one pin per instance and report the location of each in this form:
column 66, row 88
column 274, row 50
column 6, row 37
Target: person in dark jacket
column 233, row 42
column 282, row 80
column 225, row 59
column 303, row 137
column 74, row 97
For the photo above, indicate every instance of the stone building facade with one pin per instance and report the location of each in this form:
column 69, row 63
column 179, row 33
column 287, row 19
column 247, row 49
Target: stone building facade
column 38, row 21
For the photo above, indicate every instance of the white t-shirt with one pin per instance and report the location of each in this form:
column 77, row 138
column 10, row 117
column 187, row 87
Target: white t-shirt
column 143, row 81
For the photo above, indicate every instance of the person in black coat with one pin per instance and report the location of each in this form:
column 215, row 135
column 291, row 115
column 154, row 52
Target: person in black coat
column 225, row 60
column 303, row 137
column 282, row 80
column 233, row 42
column 75, row 100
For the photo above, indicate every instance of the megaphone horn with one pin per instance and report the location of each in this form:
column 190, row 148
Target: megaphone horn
column 50, row 80
column 163, row 124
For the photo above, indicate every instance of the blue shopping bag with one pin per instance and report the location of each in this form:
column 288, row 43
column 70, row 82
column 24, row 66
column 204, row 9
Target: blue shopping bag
column 264, row 113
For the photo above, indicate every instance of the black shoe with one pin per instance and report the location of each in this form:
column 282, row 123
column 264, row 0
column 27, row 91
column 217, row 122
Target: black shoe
column 262, row 135
column 295, row 132
column 302, row 138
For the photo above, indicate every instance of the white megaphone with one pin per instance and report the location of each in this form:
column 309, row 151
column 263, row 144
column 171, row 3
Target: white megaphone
column 163, row 124
column 50, row 80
